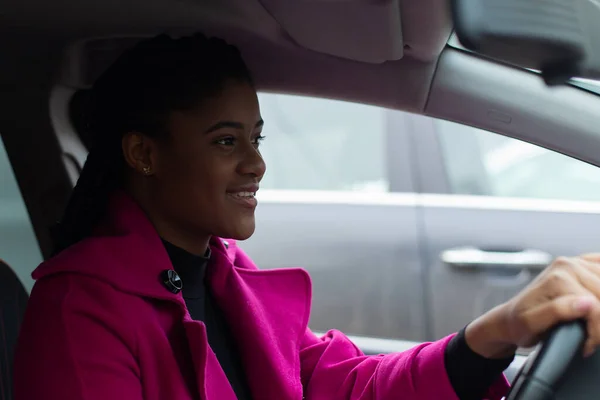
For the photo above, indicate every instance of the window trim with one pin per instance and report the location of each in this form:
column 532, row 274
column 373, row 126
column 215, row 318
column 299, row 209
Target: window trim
column 450, row 201
column 431, row 172
column 399, row 166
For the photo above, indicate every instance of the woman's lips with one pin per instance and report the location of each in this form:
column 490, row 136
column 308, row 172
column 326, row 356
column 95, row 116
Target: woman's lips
column 246, row 199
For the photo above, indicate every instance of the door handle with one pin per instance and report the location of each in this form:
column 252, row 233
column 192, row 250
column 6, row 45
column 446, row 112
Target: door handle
column 472, row 257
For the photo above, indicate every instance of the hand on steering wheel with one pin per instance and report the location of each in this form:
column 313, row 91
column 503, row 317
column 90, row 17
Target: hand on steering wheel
column 567, row 290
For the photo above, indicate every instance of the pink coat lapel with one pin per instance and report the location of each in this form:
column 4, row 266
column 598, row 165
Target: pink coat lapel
column 268, row 311
column 211, row 379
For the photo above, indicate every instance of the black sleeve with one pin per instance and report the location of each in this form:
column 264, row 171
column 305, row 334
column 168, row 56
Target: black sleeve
column 471, row 374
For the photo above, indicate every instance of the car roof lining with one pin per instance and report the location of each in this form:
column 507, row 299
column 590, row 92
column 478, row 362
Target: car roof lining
column 326, row 44
column 281, row 68
column 364, row 30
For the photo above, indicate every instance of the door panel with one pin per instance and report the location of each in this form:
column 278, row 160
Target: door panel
column 460, row 294
column 361, row 251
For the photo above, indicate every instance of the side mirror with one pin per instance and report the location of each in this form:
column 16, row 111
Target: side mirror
column 559, row 38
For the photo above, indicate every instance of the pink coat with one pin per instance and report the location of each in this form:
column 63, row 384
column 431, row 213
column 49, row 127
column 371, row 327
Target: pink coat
column 101, row 325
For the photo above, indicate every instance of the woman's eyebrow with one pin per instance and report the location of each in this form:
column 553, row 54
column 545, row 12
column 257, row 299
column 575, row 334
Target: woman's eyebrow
column 231, row 124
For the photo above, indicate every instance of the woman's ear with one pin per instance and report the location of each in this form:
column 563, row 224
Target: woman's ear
column 138, row 151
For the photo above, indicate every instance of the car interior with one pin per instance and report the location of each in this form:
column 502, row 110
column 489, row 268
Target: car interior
column 398, row 54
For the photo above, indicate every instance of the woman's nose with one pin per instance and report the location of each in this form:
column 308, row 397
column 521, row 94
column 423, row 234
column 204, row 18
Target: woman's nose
column 253, row 163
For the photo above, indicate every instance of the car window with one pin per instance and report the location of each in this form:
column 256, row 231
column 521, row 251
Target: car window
column 484, row 163
column 18, row 244
column 321, row 144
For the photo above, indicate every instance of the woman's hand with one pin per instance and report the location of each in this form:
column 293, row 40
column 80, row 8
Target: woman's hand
column 567, row 290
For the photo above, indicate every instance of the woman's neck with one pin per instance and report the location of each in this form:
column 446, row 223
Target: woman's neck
column 195, row 245
column 193, row 242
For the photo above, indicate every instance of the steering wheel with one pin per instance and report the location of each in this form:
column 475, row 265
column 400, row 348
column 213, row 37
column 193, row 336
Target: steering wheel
column 557, row 370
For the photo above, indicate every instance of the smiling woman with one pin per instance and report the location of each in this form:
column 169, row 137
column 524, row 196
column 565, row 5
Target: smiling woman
column 174, row 162
column 150, row 298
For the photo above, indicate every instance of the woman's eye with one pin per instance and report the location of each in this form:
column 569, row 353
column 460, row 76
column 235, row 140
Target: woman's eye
column 228, row 141
column 258, row 140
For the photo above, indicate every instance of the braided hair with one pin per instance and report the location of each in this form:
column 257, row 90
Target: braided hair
column 137, row 93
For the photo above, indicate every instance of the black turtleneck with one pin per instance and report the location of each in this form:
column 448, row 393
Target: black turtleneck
column 202, row 307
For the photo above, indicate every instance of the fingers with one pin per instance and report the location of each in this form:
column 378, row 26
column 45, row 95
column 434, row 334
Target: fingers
column 591, row 280
column 593, row 331
column 592, row 257
column 586, row 269
column 556, row 280
column 560, row 309
column 566, row 291
column 564, row 277
column 588, row 274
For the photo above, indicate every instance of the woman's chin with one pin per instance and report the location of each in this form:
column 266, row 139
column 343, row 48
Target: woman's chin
column 242, row 231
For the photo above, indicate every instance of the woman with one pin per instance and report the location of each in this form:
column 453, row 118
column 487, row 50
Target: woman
column 174, row 168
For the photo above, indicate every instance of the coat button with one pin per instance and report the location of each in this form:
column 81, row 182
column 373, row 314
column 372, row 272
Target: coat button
column 172, row 281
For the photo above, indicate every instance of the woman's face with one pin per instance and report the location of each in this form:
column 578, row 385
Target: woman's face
column 205, row 175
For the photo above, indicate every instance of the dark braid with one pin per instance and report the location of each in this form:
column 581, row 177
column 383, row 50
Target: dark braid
column 137, row 93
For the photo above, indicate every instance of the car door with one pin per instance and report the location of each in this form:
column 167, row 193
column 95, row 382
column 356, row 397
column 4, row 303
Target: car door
column 494, row 212
column 337, row 200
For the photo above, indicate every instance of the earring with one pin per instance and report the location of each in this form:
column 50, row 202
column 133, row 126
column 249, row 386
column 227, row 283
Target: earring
column 147, row 170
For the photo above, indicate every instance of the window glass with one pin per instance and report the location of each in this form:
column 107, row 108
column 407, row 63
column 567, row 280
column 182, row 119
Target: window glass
column 484, row 163
column 321, row 144
column 18, row 244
